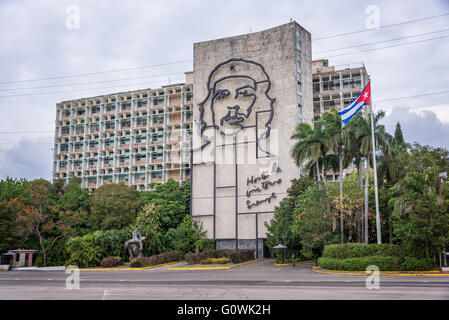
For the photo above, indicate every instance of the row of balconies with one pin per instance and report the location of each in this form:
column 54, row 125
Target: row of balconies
column 132, row 133
column 170, row 154
column 116, row 163
column 102, row 145
column 104, row 109
column 179, row 174
column 134, row 114
column 112, row 125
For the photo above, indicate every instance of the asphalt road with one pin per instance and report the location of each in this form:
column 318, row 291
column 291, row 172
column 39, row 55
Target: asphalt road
column 260, row 280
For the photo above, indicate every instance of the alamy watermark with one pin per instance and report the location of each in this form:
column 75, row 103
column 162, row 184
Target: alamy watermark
column 73, row 19
column 373, row 19
column 73, row 280
column 373, row 279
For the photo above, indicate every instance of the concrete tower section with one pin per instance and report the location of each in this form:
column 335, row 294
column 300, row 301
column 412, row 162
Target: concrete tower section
column 250, row 92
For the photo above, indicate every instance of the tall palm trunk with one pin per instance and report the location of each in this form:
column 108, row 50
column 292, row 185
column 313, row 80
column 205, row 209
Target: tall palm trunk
column 366, row 196
column 360, row 183
column 317, row 171
column 340, row 160
column 360, row 172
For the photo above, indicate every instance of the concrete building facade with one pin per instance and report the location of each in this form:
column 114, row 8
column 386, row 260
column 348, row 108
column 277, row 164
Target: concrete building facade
column 251, row 91
column 336, row 88
column 138, row 137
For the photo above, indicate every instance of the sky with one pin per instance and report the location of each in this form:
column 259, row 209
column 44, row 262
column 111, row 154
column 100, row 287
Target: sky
column 48, row 55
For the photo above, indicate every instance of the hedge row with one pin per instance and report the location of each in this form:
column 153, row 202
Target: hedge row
column 235, row 256
column 110, row 262
column 360, row 264
column 413, row 264
column 360, row 250
column 384, row 263
column 215, row 261
column 166, row 257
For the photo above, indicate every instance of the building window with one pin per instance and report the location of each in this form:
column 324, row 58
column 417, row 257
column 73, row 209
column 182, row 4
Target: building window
column 95, row 109
column 141, row 121
column 156, row 174
column 110, row 107
column 110, row 124
column 158, row 136
column 141, row 103
column 124, row 140
column 158, row 118
column 158, row 100
column 126, row 105
column 140, row 139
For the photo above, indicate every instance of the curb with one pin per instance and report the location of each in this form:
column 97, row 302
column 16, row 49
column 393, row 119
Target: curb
column 216, row 268
column 129, row 269
column 290, row 264
column 55, row 268
column 383, row 273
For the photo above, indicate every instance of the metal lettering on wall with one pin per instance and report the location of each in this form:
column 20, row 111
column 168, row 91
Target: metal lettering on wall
column 264, row 186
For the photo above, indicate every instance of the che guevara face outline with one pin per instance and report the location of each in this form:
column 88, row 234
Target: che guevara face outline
column 236, row 114
column 239, row 102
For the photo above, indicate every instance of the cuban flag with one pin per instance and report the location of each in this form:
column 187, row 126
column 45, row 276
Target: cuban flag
column 363, row 98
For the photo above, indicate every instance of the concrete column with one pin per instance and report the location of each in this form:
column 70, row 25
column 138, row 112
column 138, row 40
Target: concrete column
column 342, row 100
column 341, row 80
column 321, row 104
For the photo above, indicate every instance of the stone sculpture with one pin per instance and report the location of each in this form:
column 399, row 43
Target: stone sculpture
column 135, row 245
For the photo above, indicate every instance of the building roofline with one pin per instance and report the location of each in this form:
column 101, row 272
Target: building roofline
column 251, row 33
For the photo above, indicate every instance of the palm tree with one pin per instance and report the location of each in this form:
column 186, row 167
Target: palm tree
column 362, row 128
column 352, row 153
column 310, row 145
column 335, row 136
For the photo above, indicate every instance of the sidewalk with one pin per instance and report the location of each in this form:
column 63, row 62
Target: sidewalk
column 213, row 267
column 383, row 273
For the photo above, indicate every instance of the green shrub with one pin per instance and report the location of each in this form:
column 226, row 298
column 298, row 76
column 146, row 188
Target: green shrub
column 194, row 258
column 205, row 244
column 215, row 261
column 90, row 249
column 135, row 263
column 111, row 262
column 240, row 255
column 413, row 264
column 84, row 251
column 359, row 250
column 235, row 256
column 384, row 263
column 166, row 257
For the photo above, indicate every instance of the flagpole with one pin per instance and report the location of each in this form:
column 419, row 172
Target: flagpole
column 376, row 194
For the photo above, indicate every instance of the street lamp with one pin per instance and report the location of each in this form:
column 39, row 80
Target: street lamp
column 281, row 246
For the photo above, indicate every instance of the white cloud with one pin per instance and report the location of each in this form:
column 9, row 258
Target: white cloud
column 423, row 127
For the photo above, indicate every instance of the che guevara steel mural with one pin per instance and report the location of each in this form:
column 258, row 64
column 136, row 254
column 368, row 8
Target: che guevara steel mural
column 238, row 98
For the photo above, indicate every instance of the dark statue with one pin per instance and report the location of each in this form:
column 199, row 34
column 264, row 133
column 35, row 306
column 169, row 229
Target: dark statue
column 135, row 245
